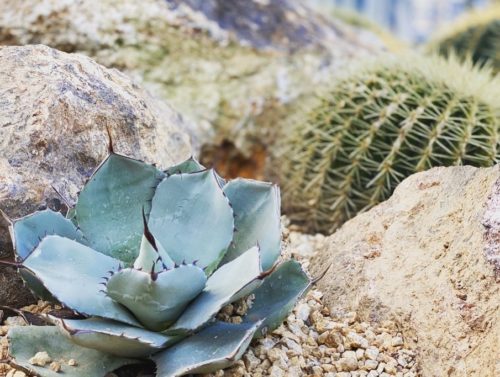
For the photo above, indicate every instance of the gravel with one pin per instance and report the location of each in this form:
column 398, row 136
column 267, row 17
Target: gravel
column 311, row 342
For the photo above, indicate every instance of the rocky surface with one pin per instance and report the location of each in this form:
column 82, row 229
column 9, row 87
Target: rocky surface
column 427, row 259
column 312, row 342
column 230, row 66
column 55, row 111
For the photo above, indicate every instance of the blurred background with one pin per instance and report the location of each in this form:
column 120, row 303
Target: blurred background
column 411, row 20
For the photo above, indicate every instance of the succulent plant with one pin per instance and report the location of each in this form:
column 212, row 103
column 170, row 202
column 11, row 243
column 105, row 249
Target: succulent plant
column 382, row 122
column 475, row 36
column 146, row 259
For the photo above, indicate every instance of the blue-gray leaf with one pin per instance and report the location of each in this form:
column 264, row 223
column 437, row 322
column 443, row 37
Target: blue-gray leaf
column 109, row 208
column 26, row 341
column 28, row 231
column 152, row 256
column 191, row 165
column 216, row 347
column 229, row 283
column 113, row 337
column 277, row 296
column 73, row 273
column 192, row 219
column 256, row 206
column 156, row 299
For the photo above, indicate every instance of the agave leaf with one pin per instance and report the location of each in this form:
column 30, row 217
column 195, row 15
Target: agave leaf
column 152, row 255
column 28, row 231
column 192, row 218
column 256, row 206
column 277, row 296
column 229, row 283
column 191, row 165
column 35, row 285
column 26, row 341
column 109, row 207
column 216, row 347
column 157, row 299
column 113, row 337
column 71, row 214
column 73, row 273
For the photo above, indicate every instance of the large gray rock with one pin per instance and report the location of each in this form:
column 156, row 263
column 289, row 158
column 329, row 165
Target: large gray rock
column 230, row 66
column 55, row 110
column 429, row 258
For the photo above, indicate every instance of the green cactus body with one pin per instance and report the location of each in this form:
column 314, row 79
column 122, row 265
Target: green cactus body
column 477, row 36
column 383, row 122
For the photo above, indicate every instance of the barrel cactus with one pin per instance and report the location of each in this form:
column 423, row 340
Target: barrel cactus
column 145, row 260
column 475, row 36
column 384, row 121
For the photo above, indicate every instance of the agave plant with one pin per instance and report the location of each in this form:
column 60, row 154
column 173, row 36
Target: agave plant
column 146, row 259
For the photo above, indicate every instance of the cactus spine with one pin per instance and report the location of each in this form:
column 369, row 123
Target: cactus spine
column 380, row 124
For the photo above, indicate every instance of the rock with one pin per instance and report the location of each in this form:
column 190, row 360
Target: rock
column 41, row 359
column 371, row 364
column 55, row 109
column 303, row 311
column 15, row 373
column 354, row 341
column 371, row 353
column 348, row 362
column 55, row 366
column 437, row 274
column 232, row 66
column 72, row 363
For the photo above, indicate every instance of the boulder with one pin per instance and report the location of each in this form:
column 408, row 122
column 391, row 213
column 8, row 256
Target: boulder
column 428, row 258
column 231, row 66
column 55, row 113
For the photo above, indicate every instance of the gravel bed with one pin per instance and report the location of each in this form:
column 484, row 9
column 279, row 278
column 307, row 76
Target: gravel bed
column 312, row 342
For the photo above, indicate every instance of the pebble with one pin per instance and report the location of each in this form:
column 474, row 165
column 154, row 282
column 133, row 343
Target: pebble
column 303, row 311
column 355, row 341
column 72, row 363
column 371, row 364
column 55, row 366
column 371, row 353
column 397, row 341
column 40, row 359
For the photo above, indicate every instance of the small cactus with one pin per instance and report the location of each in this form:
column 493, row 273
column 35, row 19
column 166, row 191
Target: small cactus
column 475, row 36
column 383, row 122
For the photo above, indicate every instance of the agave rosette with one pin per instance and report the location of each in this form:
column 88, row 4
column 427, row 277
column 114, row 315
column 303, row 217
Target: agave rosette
column 148, row 258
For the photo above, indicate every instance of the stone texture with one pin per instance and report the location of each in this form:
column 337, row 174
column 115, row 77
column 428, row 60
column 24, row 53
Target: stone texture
column 231, row 66
column 428, row 259
column 55, row 110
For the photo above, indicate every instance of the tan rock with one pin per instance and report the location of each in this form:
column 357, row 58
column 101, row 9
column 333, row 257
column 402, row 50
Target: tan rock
column 41, row 359
column 55, row 366
column 15, row 373
column 437, row 275
column 72, row 363
column 54, row 112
